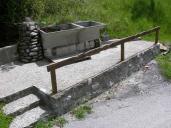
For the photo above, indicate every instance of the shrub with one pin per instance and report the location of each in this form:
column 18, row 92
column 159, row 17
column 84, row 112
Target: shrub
column 149, row 9
column 13, row 11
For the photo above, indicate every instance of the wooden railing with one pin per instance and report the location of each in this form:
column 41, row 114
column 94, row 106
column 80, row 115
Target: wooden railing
column 52, row 67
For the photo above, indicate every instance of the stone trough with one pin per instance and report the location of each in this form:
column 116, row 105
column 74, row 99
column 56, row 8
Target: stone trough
column 65, row 39
column 90, row 31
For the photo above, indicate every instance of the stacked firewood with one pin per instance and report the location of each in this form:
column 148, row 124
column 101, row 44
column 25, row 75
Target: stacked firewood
column 29, row 47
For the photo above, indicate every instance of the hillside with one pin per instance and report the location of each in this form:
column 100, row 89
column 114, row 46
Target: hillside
column 123, row 17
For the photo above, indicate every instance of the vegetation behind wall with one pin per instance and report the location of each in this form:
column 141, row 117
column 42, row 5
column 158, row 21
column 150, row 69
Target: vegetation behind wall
column 123, row 17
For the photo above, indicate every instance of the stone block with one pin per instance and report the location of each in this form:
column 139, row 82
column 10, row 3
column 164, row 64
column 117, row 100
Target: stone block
column 87, row 45
column 80, row 47
column 33, row 34
column 92, row 44
column 35, row 49
column 62, row 51
column 71, row 49
column 31, row 28
column 48, row 52
column 8, row 54
column 33, row 54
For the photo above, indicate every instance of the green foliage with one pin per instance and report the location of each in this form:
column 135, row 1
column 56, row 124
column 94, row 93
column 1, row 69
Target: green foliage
column 149, row 9
column 4, row 120
column 123, row 17
column 81, row 111
column 60, row 121
column 62, row 7
column 16, row 10
column 165, row 64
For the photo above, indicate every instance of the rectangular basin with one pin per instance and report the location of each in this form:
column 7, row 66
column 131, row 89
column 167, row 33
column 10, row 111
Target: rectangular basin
column 90, row 31
column 59, row 35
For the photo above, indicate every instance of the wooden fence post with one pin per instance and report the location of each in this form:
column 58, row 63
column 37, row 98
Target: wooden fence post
column 122, row 52
column 157, row 36
column 53, row 81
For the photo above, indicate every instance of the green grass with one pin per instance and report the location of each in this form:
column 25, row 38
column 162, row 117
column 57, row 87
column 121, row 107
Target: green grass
column 165, row 64
column 4, row 120
column 117, row 14
column 81, row 111
column 59, row 121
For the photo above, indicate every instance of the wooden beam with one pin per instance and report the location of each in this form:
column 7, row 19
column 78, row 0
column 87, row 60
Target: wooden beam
column 122, row 52
column 157, row 37
column 53, row 81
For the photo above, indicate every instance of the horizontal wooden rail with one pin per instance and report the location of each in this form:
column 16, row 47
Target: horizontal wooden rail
column 52, row 67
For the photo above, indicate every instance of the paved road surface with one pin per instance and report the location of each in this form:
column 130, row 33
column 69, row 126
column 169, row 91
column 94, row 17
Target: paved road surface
column 141, row 101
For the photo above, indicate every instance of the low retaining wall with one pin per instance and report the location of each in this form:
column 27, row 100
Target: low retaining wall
column 8, row 54
column 92, row 87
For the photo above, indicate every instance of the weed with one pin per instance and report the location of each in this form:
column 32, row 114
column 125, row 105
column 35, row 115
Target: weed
column 4, row 120
column 81, row 111
column 165, row 64
column 59, row 121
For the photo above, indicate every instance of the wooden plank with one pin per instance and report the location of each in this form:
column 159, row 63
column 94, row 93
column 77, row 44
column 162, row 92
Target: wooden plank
column 157, row 37
column 53, row 81
column 48, row 59
column 122, row 52
column 97, row 50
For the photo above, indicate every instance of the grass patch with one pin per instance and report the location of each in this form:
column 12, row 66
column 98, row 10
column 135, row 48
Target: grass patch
column 4, row 120
column 59, row 121
column 81, row 111
column 165, row 64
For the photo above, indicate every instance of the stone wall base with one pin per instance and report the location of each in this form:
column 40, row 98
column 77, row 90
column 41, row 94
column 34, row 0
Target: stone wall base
column 89, row 88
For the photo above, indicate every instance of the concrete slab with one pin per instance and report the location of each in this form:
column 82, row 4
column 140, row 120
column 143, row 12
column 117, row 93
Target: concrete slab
column 28, row 118
column 8, row 54
column 18, row 106
column 15, row 76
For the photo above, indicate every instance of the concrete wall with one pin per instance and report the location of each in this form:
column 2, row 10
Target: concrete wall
column 69, row 49
column 92, row 87
column 8, row 54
